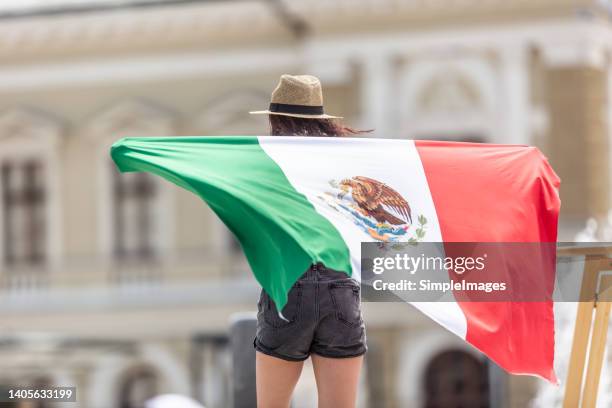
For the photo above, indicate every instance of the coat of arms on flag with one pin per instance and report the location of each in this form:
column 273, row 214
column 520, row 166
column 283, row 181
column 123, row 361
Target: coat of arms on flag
column 376, row 208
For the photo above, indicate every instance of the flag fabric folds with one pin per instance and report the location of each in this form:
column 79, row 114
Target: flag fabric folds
column 294, row 201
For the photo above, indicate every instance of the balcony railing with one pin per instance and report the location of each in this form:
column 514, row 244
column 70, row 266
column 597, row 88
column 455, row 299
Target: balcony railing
column 179, row 268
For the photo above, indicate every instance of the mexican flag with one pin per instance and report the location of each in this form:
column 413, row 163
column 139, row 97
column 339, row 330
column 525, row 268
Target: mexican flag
column 294, row 201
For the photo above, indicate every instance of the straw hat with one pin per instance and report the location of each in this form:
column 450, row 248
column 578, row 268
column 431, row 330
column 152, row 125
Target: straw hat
column 299, row 96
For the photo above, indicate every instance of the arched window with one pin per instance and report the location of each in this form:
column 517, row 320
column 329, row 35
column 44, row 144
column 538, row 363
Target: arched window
column 137, row 386
column 133, row 202
column 449, row 99
column 29, row 194
column 24, row 197
column 228, row 114
column 134, row 208
column 456, row 379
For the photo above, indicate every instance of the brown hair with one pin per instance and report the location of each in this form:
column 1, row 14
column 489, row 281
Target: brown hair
column 281, row 125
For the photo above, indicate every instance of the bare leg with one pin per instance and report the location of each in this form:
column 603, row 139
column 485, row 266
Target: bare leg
column 276, row 379
column 337, row 380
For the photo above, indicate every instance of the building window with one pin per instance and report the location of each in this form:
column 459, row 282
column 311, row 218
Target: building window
column 456, row 379
column 134, row 201
column 23, row 213
column 137, row 387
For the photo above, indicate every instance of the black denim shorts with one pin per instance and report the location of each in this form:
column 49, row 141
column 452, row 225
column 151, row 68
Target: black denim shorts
column 323, row 316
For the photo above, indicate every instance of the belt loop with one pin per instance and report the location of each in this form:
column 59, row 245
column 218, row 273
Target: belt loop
column 314, row 271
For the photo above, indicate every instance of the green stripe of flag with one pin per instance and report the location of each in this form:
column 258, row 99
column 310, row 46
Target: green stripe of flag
column 279, row 230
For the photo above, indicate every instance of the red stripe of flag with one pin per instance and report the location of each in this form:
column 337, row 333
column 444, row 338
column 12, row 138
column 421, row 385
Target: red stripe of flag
column 499, row 193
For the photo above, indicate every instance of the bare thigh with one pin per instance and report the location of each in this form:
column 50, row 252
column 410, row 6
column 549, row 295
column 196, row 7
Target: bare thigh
column 337, row 380
column 276, row 379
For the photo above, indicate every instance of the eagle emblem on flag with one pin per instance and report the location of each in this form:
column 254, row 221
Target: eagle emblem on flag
column 376, row 208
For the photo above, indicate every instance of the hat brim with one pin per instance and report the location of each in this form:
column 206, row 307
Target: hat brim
column 295, row 115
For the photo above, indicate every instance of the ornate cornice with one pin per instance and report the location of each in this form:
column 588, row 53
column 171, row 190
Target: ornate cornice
column 22, row 123
column 134, row 116
column 230, row 108
column 239, row 23
column 197, row 26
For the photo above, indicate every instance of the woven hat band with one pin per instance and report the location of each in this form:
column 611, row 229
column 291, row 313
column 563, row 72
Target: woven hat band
column 296, row 109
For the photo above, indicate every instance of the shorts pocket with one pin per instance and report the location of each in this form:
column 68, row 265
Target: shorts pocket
column 262, row 296
column 347, row 306
column 291, row 311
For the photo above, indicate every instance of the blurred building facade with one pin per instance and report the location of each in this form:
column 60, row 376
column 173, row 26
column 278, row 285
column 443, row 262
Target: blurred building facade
column 124, row 285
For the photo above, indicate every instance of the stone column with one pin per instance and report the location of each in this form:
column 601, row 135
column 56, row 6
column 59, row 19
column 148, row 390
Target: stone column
column 578, row 142
column 515, row 94
column 377, row 96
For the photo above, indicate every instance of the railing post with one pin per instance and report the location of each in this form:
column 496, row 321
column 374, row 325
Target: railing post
column 242, row 333
column 498, row 385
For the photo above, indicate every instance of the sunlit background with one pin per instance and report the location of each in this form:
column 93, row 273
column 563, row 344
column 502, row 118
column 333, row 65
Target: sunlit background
column 124, row 285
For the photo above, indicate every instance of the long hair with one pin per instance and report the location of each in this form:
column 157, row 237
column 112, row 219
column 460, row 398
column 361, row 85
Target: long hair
column 281, row 125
